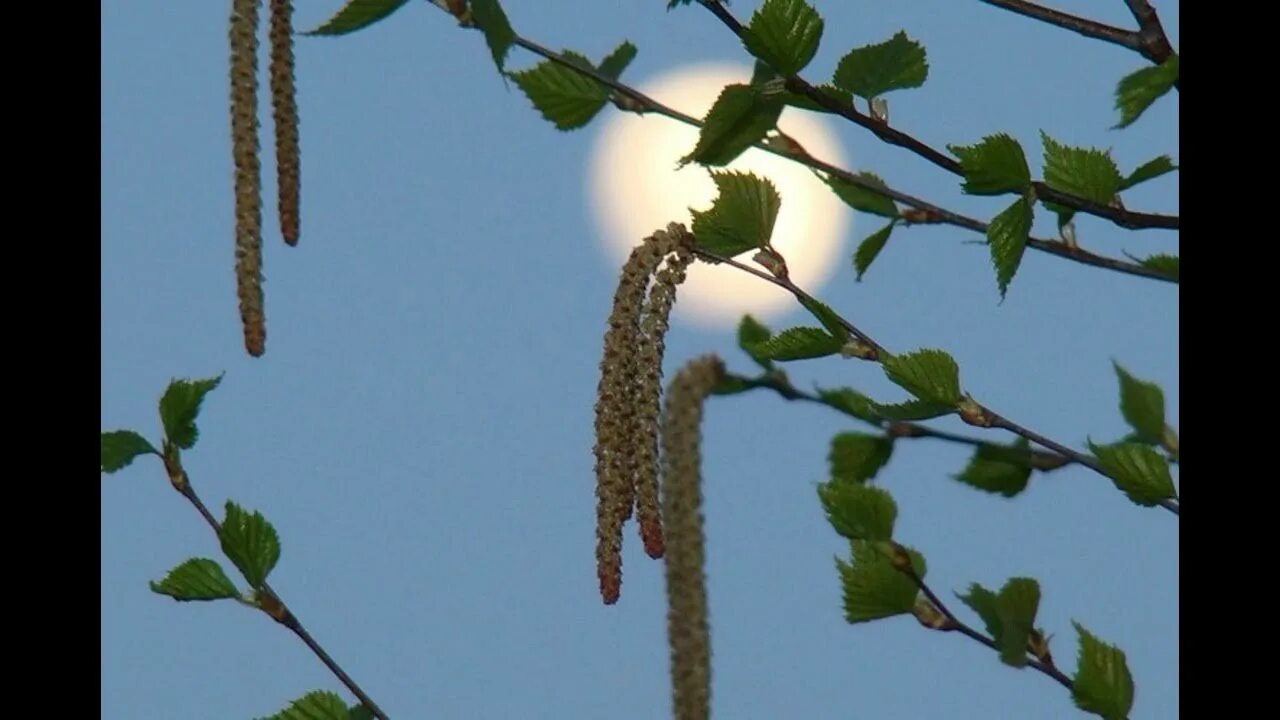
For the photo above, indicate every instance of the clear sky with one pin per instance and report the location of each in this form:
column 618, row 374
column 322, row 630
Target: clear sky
column 420, row 428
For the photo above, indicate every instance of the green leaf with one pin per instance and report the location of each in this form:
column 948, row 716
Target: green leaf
column 740, row 117
column 360, row 712
column 930, row 375
column 180, row 406
column 357, row 15
column 873, row 587
column 828, row 317
column 869, row 249
column 1084, row 172
column 250, row 543
column 1138, row 90
column 999, row 468
column 1139, row 471
column 120, row 447
column 858, row 512
column 674, row 3
column 1016, row 607
column 983, row 602
column 1007, row 237
column 492, row 21
column 618, row 60
column 1167, row 264
column 566, row 98
column 799, row 343
column 913, row 410
column 752, row 332
column 873, row 70
column 1149, row 170
column 862, row 199
column 994, row 166
column 317, row 705
column 784, row 34
column 1142, row 404
column 804, row 102
column 857, row 457
column 196, row 579
column 1102, row 683
column 851, row 402
column 742, row 216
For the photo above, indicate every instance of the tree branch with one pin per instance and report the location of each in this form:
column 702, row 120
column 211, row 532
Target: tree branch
column 1083, row 26
column 1118, row 215
column 1154, row 42
column 273, row 605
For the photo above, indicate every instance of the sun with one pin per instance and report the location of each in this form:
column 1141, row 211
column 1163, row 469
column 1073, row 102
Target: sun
column 634, row 188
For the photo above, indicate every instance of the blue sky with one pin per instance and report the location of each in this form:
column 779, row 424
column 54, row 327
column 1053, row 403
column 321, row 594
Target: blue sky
column 420, row 428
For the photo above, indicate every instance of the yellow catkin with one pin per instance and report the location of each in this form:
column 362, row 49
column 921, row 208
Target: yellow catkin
column 648, row 387
column 687, row 629
column 248, row 184
column 284, row 105
column 614, row 448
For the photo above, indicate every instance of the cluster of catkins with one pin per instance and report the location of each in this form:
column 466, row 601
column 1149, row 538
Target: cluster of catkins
column 244, row 147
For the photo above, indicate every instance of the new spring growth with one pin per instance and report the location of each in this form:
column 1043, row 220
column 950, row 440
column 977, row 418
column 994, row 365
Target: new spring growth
column 284, row 105
column 628, row 398
column 248, row 183
column 687, row 629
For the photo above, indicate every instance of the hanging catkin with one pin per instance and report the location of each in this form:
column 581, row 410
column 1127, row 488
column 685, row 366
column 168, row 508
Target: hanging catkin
column 248, row 183
column 284, row 105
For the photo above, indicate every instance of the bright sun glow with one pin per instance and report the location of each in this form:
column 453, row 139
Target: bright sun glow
column 635, row 189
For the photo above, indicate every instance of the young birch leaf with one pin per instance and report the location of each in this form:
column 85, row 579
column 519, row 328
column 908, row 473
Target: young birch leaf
column 784, row 34
column 983, row 602
column 994, row 166
column 492, row 21
column 317, row 705
column 913, row 410
column 1167, row 264
column 618, row 60
column 873, row 70
column 1140, row 472
column 858, row 512
column 862, row 199
column 869, row 249
column 857, row 457
column 1007, row 237
column 851, row 402
column 999, row 468
column 180, row 406
column 1142, row 404
column 752, row 332
column 1016, row 607
column 196, row 579
column 828, row 317
column 873, row 587
column 360, row 712
column 739, row 119
column 250, row 543
column 1084, row 172
column 804, row 102
column 566, row 98
column 357, row 15
column 742, row 216
column 1137, row 91
column 799, row 343
column 120, row 447
column 930, row 375
column 1149, row 170
column 1102, row 684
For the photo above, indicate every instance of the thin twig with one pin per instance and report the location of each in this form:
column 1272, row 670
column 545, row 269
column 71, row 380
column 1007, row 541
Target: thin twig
column 642, row 103
column 1084, row 26
column 977, row 415
column 281, row 612
column 1118, row 215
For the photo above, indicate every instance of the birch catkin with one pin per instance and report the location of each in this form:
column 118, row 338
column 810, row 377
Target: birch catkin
column 284, row 105
column 687, row 629
column 248, row 183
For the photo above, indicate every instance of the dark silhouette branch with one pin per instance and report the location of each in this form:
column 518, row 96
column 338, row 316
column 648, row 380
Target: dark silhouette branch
column 1118, row 215
column 1151, row 35
column 1083, row 26
column 271, row 602
column 971, row 411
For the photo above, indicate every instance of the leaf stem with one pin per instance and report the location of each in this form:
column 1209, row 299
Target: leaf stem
column 281, row 614
column 1118, row 215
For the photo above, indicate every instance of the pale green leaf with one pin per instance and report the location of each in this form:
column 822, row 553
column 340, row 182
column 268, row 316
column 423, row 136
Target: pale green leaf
column 930, row 375
column 1149, row 170
column 873, row 70
column 857, row 457
column 784, row 34
column 1136, row 92
column 121, row 447
column 1016, row 606
column 870, row 248
column 180, row 406
column 863, row 199
column 357, row 15
column 1167, row 264
column 742, row 216
column 250, row 542
column 799, row 343
column 999, row 468
column 858, row 512
column 851, row 402
column 1007, row 238
column 994, row 166
column 752, row 332
column 568, row 99
column 873, row 587
column 1142, row 404
column 317, row 705
column 1084, row 172
column 1139, row 471
column 492, row 21
column 1102, row 684
column 740, row 117
column 196, row 579
column 913, row 410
